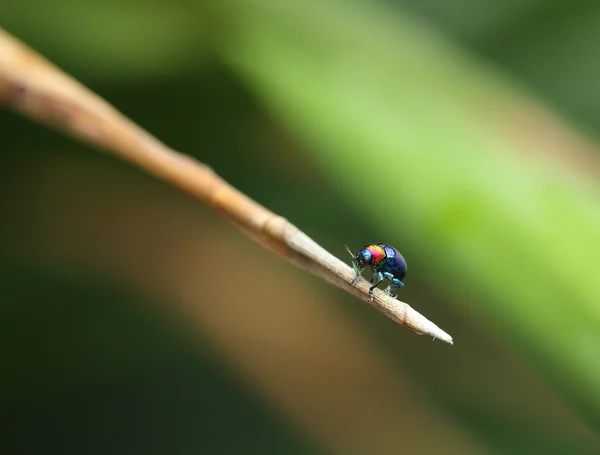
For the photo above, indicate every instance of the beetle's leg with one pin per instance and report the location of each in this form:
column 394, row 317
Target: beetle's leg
column 376, row 275
column 379, row 275
column 357, row 270
column 394, row 285
column 388, row 290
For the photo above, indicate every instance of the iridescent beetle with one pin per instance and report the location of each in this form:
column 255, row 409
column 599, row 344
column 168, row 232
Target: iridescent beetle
column 385, row 262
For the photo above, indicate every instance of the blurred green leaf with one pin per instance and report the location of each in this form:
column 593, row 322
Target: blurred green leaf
column 412, row 131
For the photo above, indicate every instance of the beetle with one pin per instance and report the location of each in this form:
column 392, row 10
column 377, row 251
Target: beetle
column 385, row 261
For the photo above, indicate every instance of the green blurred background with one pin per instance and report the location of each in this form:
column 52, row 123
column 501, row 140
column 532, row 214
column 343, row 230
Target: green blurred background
column 464, row 133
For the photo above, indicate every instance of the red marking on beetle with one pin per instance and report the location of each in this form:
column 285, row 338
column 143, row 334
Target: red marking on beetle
column 377, row 253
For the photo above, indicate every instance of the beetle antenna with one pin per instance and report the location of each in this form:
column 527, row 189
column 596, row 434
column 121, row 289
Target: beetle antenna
column 348, row 250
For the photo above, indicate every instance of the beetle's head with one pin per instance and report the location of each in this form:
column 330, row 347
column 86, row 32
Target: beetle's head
column 362, row 259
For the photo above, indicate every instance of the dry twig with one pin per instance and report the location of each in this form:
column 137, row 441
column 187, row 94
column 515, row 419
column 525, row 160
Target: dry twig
column 34, row 86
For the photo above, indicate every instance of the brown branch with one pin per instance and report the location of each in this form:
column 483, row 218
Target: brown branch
column 34, row 86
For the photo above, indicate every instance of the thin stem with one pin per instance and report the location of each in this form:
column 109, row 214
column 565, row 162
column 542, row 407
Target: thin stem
column 34, row 86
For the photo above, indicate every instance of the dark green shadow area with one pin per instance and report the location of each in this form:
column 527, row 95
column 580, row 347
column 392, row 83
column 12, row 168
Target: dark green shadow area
column 92, row 368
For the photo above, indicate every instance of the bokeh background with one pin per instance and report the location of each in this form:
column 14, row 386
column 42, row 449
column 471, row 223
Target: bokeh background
column 464, row 133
